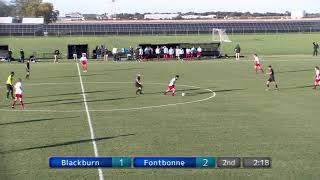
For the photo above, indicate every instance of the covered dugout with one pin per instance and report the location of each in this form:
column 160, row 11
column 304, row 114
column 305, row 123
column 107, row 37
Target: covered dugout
column 78, row 49
column 208, row 49
column 4, row 50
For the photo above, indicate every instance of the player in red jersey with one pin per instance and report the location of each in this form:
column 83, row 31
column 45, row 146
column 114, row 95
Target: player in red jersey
column 18, row 93
column 257, row 64
column 172, row 85
column 317, row 78
column 84, row 62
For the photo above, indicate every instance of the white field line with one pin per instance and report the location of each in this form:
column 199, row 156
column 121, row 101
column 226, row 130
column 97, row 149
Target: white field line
column 94, row 144
column 213, row 94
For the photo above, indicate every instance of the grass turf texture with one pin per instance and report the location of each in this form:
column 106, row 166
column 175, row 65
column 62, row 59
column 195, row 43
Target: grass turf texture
column 270, row 44
column 242, row 120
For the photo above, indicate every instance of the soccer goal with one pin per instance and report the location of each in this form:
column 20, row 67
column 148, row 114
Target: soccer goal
column 220, row 35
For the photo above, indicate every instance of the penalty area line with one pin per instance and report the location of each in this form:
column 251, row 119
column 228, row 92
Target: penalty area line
column 94, row 144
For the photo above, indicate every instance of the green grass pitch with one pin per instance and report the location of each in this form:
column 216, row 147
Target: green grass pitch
column 241, row 120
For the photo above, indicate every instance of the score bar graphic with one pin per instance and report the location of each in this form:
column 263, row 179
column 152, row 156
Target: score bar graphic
column 159, row 162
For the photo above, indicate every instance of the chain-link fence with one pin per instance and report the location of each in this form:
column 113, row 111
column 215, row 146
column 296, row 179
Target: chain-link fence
column 133, row 29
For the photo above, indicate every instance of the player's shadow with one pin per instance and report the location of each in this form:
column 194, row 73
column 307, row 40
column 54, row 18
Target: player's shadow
column 77, row 76
column 98, row 100
column 64, row 144
column 75, row 93
column 298, row 87
column 94, row 74
column 216, row 91
column 294, row 71
column 52, row 101
column 35, row 120
column 180, row 90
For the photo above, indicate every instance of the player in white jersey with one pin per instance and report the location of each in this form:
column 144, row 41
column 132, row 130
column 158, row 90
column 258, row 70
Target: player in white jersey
column 18, row 93
column 172, row 85
column 317, row 78
column 84, row 62
column 199, row 53
column 257, row 64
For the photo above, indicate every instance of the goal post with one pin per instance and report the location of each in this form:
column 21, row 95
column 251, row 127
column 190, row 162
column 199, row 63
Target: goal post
column 220, row 35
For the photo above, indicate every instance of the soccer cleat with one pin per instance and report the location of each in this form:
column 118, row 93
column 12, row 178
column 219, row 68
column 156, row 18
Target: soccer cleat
column 12, row 107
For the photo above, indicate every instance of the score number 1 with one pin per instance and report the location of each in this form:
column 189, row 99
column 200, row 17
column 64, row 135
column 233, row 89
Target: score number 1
column 121, row 162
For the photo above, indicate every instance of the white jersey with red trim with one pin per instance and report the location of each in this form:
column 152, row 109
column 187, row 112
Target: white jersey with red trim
column 83, row 59
column 257, row 60
column 18, row 88
column 317, row 75
column 173, row 82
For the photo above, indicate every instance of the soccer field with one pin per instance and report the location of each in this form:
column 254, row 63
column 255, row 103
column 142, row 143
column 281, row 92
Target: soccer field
column 263, row 44
column 226, row 112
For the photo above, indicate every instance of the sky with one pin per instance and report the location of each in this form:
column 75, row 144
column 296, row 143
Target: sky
column 142, row 6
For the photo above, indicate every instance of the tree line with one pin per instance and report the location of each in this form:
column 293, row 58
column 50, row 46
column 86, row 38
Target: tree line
column 29, row 8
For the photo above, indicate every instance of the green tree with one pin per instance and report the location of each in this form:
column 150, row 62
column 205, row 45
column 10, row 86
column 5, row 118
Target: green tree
column 46, row 11
column 36, row 8
column 6, row 9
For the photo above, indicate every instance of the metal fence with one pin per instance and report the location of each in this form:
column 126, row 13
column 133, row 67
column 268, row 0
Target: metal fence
column 178, row 28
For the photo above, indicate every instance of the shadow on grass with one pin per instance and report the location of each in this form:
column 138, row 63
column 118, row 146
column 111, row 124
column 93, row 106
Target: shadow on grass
column 294, row 71
column 98, row 100
column 49, row 101
column 216, row 91
column 64, row 144
column 35, row 120
column 75, row 93
column 95, row 74
column 297, row 87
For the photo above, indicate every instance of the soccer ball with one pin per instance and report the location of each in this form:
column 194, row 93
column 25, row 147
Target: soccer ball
column 183, row 94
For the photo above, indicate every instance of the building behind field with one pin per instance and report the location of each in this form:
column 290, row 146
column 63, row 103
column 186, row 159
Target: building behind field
column 160, row 16
column 298, row 14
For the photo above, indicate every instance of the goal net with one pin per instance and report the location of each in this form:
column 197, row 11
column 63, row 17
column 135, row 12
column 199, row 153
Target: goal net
column 220, row 35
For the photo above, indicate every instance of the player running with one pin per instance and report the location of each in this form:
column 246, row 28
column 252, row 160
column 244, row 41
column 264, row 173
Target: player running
column 257, row 64
column 271, row 79
column 9, row 85
column 138, row 85
column 172, row 86
column 28, row 70
column 317, row 78
column 18, row 93
column 84, row 62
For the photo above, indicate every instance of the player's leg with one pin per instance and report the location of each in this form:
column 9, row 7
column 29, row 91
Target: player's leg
column 21, row 101
column 8, row 91
column 173, row 91
column 316, row 83
column 139, row 90
column 28, row 75
column 14, row 102
column 276, row 85
column 11, row 92
column 85, row 67
column 168, row 90
column 260, row 69
column 268, row 85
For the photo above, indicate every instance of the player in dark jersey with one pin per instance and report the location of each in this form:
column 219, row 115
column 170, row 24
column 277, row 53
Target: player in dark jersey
column 138, row 85
column 28, row 69
column 271, row 79
column 9, row 85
